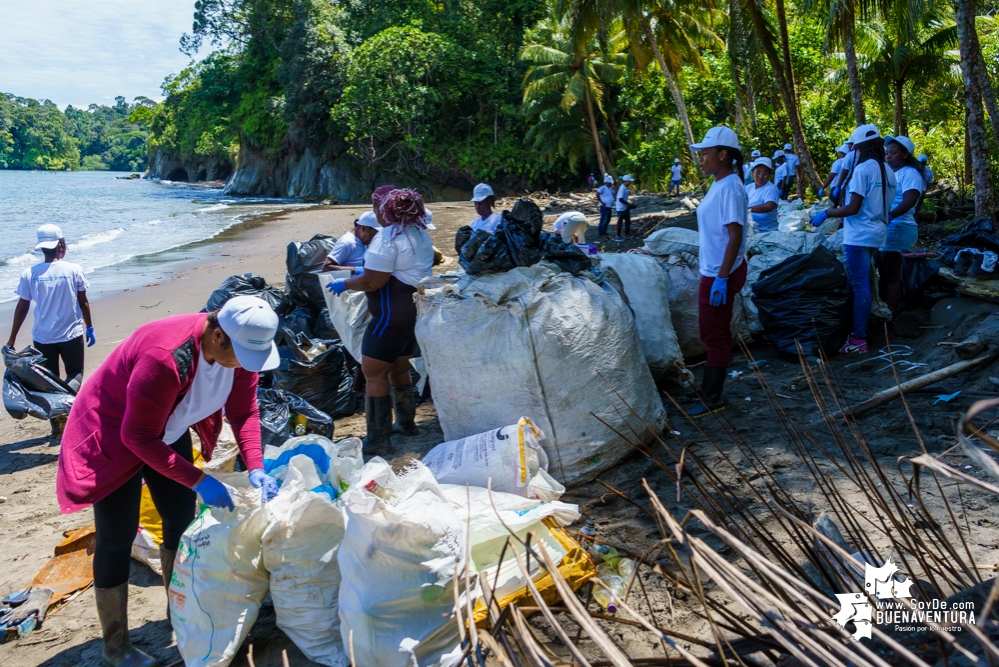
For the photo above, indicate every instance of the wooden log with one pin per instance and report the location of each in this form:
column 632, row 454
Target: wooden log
column 889, row 395
column 984, row 337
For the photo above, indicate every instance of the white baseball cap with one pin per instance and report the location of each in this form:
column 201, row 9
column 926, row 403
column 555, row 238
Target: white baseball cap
column 368, row 219
column 906, row 143
column 764, row 161
column 429, row 224
column 627, row 177
column 923, row 158
column 676, row 160
column 778, row 154
column 48, row 237
column 864, row 133
column 787, row 147
column 754, row 154
column 608, row 178
column 842, row 148
column 721, row 135
column 482, row 191
column 251, row 325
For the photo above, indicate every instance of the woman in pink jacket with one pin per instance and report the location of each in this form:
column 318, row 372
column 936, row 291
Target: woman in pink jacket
column 130, row 423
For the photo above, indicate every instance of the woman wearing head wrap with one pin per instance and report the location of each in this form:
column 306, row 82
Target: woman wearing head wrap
column 399, row 257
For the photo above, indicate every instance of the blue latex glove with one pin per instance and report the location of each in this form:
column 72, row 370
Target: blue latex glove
column 719, row 291
column 214, row 493
column 834, row 192
column 819, row 218
column 822, row 193
column 359, row 271
column 337, row 287
column 268, row 485
column 91, row 338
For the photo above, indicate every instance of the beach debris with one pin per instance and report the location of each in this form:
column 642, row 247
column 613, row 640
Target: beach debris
column 946, row 398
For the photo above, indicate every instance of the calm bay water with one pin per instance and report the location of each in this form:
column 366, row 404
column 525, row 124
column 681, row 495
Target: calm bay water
column 108, row 221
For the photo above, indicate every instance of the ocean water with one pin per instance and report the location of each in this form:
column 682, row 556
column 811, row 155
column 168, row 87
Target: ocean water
column 108, row 221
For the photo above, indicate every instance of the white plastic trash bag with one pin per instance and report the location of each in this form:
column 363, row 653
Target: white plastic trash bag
column 219, row 578
column 335, row 462
column 402, row 547
column 512, row 457
column 300, row 549
column 348, row 313
column 672, row 240
column 647, row 289
column 541, row 342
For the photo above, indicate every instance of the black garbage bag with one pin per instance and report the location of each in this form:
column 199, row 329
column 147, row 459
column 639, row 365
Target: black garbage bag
column 304, row 262
column 804, row 300
column 278, row 409
column 567, row 255
column 301, row 321
column 921, row 286
column 31, row 389
column 323, row 326
column 248, row 284
column 979, row 233
column 324, row 381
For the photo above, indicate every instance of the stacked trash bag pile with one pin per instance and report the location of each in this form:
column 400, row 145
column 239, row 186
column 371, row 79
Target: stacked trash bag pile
column 356, row 557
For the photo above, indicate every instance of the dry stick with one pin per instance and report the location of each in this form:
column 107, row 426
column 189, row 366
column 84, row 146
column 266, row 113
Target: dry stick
column 284, row 658
column 891, row 394
column 249, row 656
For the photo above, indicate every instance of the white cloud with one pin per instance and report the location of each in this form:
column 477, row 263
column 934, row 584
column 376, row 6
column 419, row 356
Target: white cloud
column 74, row 52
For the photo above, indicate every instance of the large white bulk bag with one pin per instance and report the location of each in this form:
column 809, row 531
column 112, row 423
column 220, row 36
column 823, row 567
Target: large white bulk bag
column 673, row 240
column 540, row 342
column 512, row 458
column 402, row 545
column 647, row 289
column 219, row 578
column 300, row 549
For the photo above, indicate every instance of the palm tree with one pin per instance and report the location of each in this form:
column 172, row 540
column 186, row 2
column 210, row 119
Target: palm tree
column 841, row 16
column 977, row 139
column 578, row 76
column 890, row 61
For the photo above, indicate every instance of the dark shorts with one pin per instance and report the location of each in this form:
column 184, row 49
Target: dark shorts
column 390, row 334
column 387, row 349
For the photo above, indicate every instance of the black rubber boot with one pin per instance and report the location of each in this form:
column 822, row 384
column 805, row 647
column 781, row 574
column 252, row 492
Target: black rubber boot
column 404, row 401
column 711, row 387
column 378, row 415
column 112, row 610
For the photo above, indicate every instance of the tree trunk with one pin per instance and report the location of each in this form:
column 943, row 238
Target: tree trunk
column 601, row 160
column 850, row 54
column 786, row 91
column 740, row 113
column 734, row 30
column 988, row 91
column 674, row 89
column 901, row 128
column 751, row 101
column 964, row 15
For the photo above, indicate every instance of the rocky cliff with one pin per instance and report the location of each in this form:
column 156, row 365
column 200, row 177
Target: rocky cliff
column 172, row 168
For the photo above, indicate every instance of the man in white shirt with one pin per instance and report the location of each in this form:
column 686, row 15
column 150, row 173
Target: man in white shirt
column 62, row 311
column 623, row 208
column 606, row 195
column 572, row 226
column 780, row 172
column 348, row 252
column 747, row 168
column 483, row 198
column 676, row 177
column 792, row 162
column 833, row 172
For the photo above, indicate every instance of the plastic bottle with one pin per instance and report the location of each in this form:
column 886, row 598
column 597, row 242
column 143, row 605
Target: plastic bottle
column 585, row 533
column 626, row 568
column 608, row 554
column 604, row 597
column 605, row 569
column 379, row 490
column 301, row 421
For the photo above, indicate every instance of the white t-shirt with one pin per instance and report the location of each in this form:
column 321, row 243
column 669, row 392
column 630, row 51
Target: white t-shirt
column 348, row 251
column 847, row 164
column 53, row 287
column 622, row 193
column 726, row 202
column 928, row 174
column 869, row 227
column 208, row 394
column 406, row 253
column 765, row 222
column 488, row 225
column 606, row 194
column 792, row 161
column 561, row 220
column 781, row 173
column 747, row 170
column 677, row 172
column 907, row 178
column 835, row 168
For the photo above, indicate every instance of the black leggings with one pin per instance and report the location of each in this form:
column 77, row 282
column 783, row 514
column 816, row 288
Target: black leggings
column 71, row 352
column 117, row 517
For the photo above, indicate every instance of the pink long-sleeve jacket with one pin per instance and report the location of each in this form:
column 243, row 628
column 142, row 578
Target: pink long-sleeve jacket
column 117, row 422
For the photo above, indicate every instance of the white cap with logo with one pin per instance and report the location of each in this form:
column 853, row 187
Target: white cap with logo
column 906, row 143
column 721, row 135
column 627, row 177
column 482, row 191
column 778, row 154
column 608, row 178
column 864, row 133
column 251, row 325
column 754, row 154
column 48, row 237
column 368, row 219
column 429, row 224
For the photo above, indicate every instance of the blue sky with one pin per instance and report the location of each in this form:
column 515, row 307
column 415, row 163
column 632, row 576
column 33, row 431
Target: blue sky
column 78, row 52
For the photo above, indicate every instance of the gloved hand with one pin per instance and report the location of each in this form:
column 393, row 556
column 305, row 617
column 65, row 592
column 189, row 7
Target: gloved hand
column 91, row 338
column 822, row 193
column 268, row 485
column 337, row 287
column 214, row 493
column 834, row 192
column 819, row 218
column 719, row 291
column 359, row 271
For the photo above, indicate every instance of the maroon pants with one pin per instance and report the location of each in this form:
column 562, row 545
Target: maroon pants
column 715, row 322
